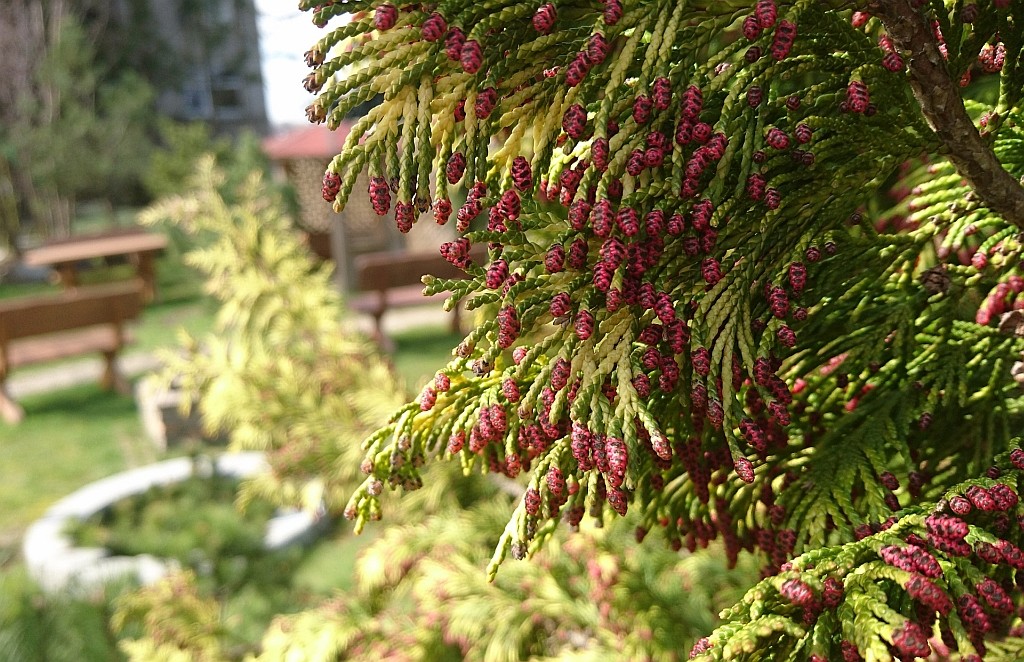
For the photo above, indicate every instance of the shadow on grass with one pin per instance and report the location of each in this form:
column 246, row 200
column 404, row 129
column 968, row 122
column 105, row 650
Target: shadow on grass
column 74, row 404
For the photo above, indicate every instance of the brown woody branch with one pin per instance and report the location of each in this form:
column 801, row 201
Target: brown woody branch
column 940, row 101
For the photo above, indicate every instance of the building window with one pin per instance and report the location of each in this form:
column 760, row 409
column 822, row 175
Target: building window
column 228, row 98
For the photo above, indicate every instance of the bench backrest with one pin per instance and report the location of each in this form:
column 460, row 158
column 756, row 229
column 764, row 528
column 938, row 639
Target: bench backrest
column 388, row 269
column 112, row 303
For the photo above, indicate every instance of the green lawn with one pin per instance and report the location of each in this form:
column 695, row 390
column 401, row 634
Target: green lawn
column 161, row 323
column 421, row 352
column 330, row 565
column 67, row 440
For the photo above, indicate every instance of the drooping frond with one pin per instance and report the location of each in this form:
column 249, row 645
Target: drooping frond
column 953, row 566
column 722, row 261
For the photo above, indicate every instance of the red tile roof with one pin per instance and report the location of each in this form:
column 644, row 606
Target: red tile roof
column 314, row 141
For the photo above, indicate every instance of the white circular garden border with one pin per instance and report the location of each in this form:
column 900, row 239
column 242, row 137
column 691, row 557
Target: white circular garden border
column 57, row 565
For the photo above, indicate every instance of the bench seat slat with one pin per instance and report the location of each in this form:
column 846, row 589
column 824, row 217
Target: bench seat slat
column 63, row 345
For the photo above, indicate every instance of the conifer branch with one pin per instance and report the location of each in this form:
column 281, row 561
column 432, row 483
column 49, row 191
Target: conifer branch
column 721, row 293
column 943, row 107
column 950, row 564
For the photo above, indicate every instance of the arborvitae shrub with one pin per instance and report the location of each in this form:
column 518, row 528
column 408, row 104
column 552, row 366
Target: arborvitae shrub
column 754, row 272
column 277, row 373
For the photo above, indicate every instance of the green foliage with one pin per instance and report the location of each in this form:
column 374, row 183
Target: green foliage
column 230, row 586
column 172, row 168
column 887, row 593
column 180, row 623
column 38, row 628
column 194, row 522
column 749, row 276
column 74, row 131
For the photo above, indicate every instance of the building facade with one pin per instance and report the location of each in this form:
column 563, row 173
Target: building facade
column 211, row 56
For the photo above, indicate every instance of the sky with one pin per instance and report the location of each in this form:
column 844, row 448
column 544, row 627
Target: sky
column 285, row 34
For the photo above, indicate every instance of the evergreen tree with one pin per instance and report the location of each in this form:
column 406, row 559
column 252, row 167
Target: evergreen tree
column 754, row 269
column 71, row 127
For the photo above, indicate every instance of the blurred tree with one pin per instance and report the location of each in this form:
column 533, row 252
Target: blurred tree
column 91, row 69
column 277, row 375
column 70, row 128
column 172, row 168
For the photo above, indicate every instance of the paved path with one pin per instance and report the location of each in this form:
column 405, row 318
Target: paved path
column 132, row 364
column 73, row 373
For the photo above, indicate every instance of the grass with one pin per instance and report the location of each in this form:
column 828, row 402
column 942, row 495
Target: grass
column 68, row 439
column 329, row 567
column 420, row 352
column 161, row 323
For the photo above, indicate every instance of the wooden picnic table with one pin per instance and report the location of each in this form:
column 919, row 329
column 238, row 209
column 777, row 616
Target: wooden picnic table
column 138, row 246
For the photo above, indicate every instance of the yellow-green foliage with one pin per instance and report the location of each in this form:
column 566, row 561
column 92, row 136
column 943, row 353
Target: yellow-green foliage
column 278, row 373
column 1011, row 648
column 859, row 593
column 180, row 625
column 421, row 595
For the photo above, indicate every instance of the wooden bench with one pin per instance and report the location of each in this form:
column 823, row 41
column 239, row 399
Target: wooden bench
column 36, row 329
column 135, row 245
column 392, row 279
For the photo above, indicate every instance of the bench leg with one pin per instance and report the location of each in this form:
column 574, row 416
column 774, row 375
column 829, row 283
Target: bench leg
column 386, row 344
column 9, row 409
column 457, row 319
column 112, row 379
column 147, row 272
